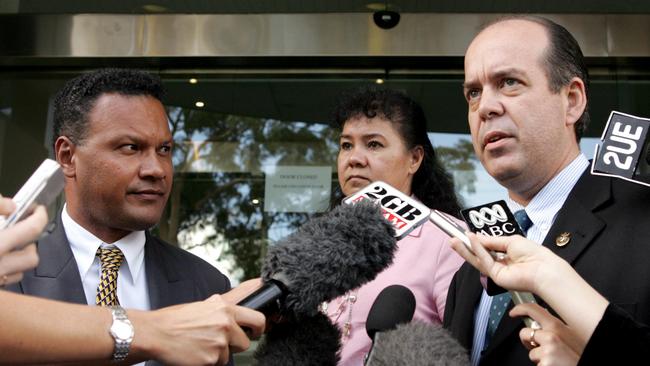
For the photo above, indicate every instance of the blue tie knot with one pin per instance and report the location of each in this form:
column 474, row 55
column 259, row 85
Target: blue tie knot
column 523, row 220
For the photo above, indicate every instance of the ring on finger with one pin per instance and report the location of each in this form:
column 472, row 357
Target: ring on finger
column 532, row 338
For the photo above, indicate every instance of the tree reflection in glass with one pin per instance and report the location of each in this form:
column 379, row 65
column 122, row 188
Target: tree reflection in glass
column 217, row 200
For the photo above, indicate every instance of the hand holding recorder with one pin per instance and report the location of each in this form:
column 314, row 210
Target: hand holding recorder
column 532, row 267
column 17, row 248
column 523, row 268
column 22, row 220
column 42, row 187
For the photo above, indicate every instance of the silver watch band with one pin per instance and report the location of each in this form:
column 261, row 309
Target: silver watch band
column 122, row 340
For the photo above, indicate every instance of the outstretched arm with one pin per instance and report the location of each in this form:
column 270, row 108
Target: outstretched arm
column 34, row 330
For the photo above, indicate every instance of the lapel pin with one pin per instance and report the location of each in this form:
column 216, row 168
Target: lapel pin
column 563, row 239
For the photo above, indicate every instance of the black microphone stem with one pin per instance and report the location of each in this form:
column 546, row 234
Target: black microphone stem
column 266, row 298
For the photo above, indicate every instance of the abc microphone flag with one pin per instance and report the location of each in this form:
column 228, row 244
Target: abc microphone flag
column 495, row 219
column 492, row 219
column 625, row 151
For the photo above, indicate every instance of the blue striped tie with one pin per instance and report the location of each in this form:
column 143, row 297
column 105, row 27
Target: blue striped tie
column 500, row 302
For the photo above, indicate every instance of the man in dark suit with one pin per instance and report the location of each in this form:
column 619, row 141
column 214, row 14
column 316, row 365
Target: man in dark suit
column 526, row 88
column 112, row 139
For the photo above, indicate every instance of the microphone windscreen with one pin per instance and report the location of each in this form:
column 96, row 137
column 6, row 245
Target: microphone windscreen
column 307, row 341
column 330, row 255
column 394, row 305
column 418, row 344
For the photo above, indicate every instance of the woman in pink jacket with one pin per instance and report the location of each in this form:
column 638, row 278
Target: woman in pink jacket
column 384, row 137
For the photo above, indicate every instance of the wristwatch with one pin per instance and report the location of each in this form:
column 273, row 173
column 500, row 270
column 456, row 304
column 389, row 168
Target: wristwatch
column 122, row 332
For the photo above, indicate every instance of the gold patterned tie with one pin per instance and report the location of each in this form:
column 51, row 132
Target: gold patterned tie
column 110, row 260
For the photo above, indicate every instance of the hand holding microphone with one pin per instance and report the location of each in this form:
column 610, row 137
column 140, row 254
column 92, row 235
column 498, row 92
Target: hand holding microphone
column 535, row 268
column 527, row 265
column 325, row 258
column 555, row 344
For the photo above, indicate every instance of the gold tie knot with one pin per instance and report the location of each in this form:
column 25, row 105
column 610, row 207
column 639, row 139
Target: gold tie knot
column 110, row 258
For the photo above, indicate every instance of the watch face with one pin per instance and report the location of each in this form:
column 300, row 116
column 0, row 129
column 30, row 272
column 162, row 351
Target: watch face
column 122, row 330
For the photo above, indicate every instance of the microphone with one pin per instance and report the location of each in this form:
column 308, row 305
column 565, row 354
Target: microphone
column 306, row 341
column 495, row 219
column 624, row 152
column 325, row 258
column 394, row 305
column 418, row 344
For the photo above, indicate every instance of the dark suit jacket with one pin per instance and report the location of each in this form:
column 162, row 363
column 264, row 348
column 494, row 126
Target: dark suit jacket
column 617, row 340
column 174, row 276
column 609, row 224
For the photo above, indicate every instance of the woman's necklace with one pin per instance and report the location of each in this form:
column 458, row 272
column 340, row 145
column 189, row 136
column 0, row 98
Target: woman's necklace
column 347, row 302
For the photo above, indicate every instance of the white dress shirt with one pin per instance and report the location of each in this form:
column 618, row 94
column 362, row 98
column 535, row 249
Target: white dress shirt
column 132, row 290
column 542, row 211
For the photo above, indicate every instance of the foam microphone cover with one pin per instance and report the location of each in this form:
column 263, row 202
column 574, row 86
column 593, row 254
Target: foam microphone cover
column 394, row 305
column 418, row 344
column 305, row 341
column 330, row 255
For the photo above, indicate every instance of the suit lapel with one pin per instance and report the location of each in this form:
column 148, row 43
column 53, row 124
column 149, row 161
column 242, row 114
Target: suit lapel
column 466, row 299
column 57, row 275
column 470, row 302
column 576, row 217
column 165, row 280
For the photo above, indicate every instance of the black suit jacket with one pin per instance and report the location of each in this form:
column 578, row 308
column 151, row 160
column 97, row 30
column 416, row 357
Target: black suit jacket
column 174, row 276
column 617, row 340
column 609, row 223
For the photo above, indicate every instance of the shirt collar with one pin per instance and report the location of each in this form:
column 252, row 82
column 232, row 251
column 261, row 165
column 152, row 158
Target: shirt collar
column 84, row 246
column 543, row 208
column 418, row 229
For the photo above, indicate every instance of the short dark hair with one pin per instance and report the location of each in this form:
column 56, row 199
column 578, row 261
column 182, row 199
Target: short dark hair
column 75, row 100
column 432, row 185
column 564, row 60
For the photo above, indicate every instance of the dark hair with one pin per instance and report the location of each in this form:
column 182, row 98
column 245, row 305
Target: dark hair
column 77, row 98
column 564, row 60
column 432, row 185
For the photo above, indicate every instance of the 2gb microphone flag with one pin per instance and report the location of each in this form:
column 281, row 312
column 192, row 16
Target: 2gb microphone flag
column 624, row 151
column 403, row 212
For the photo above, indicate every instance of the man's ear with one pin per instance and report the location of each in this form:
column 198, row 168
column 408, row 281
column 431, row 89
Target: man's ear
column 64, row 152
column 417, row 155
column 576, row 100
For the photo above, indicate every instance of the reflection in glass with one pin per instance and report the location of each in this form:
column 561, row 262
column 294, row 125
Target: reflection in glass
column 222, row 163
